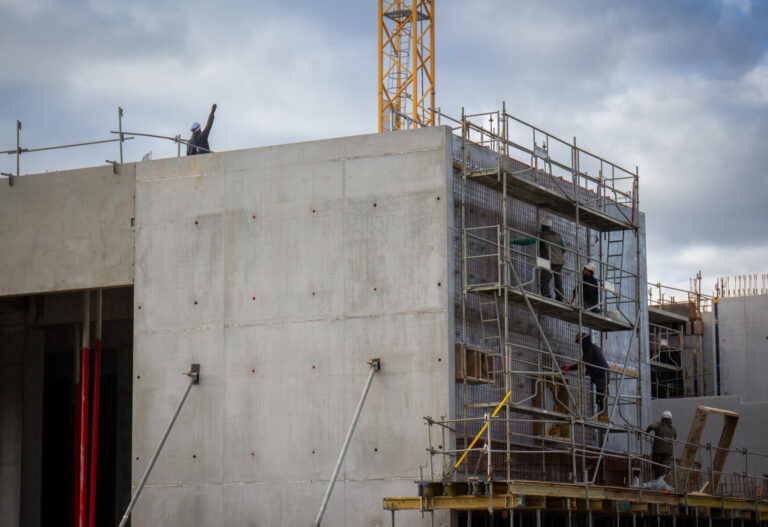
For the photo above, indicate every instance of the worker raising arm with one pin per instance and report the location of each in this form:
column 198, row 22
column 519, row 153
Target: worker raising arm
column 198, row 143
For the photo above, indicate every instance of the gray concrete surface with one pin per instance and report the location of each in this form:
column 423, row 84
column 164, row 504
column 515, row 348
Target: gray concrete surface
column 67, row 230
column 744, row 347
column 282, row 270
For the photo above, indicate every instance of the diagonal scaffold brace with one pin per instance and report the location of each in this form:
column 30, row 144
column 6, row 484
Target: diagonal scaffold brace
column 375, row 365
column 194, row 378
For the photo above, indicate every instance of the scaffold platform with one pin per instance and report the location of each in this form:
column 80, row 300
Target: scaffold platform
column 577, row 498
column 554, row 308
column 557, row 201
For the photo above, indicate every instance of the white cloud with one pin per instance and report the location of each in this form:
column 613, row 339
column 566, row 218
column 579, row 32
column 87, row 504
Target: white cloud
column 675, row 267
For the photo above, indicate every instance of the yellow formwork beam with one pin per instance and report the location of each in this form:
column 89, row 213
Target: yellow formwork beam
column 600, row 498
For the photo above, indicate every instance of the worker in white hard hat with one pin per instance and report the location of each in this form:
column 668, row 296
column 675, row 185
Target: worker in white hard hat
column 589, row 288
column 663, row 448
column 198, row 142
column 551, row 247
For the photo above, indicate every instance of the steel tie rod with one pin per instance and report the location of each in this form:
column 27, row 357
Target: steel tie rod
column 194, row 378
column 375, row 365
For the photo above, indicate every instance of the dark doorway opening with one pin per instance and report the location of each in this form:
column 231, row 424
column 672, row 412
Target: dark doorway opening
column 45, row 331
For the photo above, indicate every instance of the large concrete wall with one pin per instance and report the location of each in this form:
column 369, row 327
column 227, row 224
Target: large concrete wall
column 67, row 230
column 281, row 271
column 744, row 347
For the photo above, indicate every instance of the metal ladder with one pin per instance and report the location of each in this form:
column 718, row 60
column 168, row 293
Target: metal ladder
column 614, row 244
column 490, row 324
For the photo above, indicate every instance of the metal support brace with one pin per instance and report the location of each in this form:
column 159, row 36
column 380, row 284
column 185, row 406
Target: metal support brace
column 18, row 151
column 120, row 127
column 194, row 378
column 375, row 365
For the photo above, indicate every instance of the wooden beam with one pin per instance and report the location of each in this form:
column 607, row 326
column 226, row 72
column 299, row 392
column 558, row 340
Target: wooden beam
column 730, row 421
column 692, row 445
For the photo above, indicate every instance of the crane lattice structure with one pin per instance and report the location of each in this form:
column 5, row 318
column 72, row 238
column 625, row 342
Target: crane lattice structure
column 406, row 64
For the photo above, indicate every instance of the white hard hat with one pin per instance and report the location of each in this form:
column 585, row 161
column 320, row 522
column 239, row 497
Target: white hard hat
column 546, row 222
column 590, row 267
column 666, row 414
column 194, row 127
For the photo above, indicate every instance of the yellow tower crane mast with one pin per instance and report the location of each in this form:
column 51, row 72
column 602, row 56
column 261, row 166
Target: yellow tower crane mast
column 406, row 64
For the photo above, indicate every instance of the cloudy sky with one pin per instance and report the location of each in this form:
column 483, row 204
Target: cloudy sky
column 678, row 88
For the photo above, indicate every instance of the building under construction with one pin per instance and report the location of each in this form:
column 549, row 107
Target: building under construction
column 274, row 277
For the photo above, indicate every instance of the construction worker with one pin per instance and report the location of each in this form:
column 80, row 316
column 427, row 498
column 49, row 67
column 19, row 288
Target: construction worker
column 663, row 448
column 596, row 368
column 198, row 143
column 590, row 292
column 551, row 247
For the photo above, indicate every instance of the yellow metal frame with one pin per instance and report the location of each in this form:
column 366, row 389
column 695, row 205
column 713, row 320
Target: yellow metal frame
column 406, row 64
column 496, row 411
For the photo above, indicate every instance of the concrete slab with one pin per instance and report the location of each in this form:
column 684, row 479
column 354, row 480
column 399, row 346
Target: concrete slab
column 67, row 230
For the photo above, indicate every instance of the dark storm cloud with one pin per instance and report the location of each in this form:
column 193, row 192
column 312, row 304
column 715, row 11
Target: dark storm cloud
column 679, row 88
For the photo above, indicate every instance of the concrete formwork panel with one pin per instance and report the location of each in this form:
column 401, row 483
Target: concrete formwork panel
column 744, row 346
column 67, row 230
column 282, row 270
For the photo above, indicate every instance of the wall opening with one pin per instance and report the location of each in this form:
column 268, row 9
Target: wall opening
column 40, row 341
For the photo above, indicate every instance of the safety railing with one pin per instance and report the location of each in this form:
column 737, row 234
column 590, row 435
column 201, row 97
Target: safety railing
column 546, row 160
column 485, row 257
column 122, row 137
column 633, row 467
column 675, row 299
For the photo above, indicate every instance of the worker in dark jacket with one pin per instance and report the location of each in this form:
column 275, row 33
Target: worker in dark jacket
column 551, row 247
column 596, row 368
column 663, row 448
column 590, row 291
column 198, row 143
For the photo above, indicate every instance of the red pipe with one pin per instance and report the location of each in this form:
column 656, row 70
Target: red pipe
column 75, row 457
column 84, row 393
column 94, row 434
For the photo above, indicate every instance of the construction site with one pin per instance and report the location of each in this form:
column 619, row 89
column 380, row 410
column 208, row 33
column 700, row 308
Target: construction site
column 361, row 331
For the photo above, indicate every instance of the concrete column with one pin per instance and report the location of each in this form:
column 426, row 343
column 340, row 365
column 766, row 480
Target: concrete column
column 11, row 396
column 123, row 434
column 32, row 428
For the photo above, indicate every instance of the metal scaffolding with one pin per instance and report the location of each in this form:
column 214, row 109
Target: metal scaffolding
column 676, row 340
column 513, row 338
column 524, row 438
